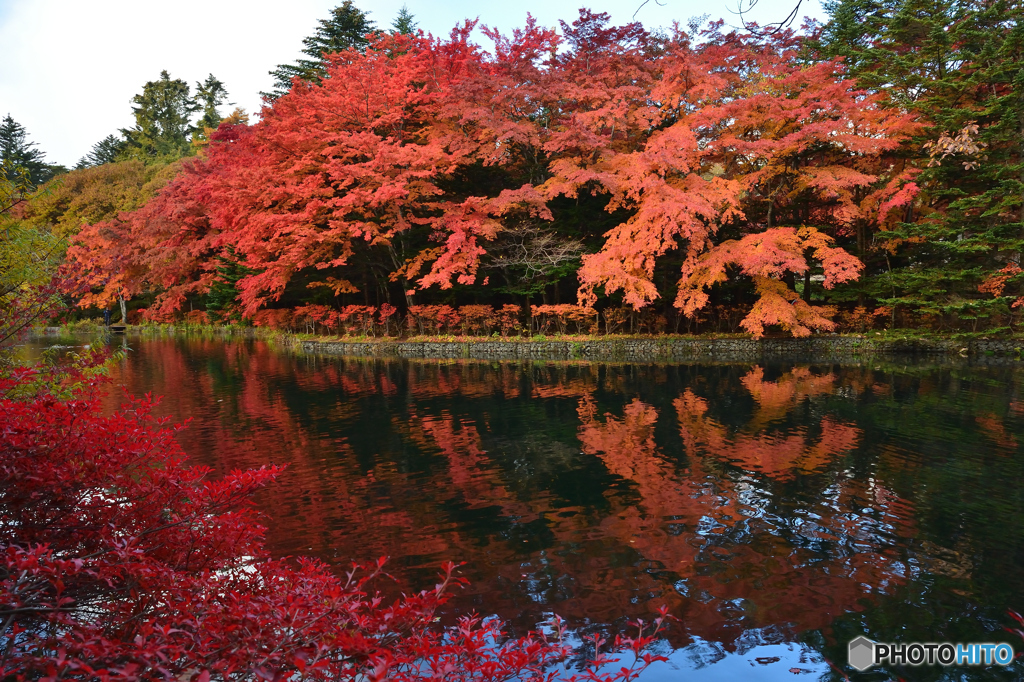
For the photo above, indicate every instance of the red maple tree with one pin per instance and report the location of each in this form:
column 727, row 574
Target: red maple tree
column 418, row 154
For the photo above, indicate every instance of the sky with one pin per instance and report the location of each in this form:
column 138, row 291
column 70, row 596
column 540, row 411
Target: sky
column 69, row 68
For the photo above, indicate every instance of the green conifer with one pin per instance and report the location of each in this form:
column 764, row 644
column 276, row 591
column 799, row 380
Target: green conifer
column 955, row 64
column 346, row 28
column 404, row 23
column 163, row 120
column 21, row 157
column 107, row 150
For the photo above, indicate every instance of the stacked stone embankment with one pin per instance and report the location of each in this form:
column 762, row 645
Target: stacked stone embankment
column 813, row 349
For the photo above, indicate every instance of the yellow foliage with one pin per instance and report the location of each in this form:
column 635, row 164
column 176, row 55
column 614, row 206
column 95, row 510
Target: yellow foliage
column 92, row 195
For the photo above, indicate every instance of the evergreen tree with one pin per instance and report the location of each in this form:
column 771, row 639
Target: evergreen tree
column 903, row 46
column 210, row 94
column 107, row 150
column 404, row 23
column 346, row 28
column 19, row 156
column 163, row 113
column 222, row 299
column 959, row 66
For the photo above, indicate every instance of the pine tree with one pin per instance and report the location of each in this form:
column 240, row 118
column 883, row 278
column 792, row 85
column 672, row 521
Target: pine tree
column 346, row 28
column 404, row 23
column 106, row 150
column 163, row 113
column 958, row 65
column 210, row 94
column 903, row 46
column 18, row 155
column 222, row 299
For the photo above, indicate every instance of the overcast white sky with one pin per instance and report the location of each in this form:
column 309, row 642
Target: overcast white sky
column 69, row 68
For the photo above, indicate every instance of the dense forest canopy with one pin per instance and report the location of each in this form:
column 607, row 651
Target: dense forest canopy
column 862, row 173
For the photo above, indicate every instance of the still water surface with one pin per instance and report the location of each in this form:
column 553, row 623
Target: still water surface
column 779, row 511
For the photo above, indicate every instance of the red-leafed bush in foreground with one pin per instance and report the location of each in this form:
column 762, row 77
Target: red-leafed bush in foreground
column 120, row 561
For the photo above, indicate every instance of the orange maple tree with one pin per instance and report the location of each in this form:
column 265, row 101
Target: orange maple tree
column 415, row 156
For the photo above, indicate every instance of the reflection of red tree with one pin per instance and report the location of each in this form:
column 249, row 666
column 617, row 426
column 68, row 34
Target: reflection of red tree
column 993, row 427
column 730, row 552
column 776, row 398
column 326, row 503
column 448, row 378
column 779, row 454
column 470, row 473
column 562, row 380
column 738, row 563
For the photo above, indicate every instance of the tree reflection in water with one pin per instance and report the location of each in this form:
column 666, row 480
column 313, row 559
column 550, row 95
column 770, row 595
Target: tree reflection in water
column 739, row 560
column 764, row 505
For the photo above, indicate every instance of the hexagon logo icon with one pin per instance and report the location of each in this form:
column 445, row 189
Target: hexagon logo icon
column 862, row 653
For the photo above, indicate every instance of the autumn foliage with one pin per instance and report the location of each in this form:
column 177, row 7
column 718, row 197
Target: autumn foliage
column 120, row 561
column 407, row 170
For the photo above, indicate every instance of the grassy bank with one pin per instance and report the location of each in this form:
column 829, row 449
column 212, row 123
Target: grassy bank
column 88, row 327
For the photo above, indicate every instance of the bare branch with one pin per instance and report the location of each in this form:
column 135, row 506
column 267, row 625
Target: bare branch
column 537, row 251
column 659, row 4
column 768, row 29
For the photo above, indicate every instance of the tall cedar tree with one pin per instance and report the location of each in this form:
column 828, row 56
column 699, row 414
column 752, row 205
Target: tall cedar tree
column 417, row 157
column 163, row 120
column 954, row 257
column 347, row 28
column 210, row 94
column 16, row 152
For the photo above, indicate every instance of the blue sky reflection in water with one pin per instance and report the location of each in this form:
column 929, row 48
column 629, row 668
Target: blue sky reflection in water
column 779, row 511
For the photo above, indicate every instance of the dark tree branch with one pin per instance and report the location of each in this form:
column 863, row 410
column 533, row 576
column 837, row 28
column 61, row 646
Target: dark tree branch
column 769, row 29
column 659, row 4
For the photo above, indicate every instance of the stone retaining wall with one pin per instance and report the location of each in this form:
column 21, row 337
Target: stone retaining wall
column 813, row 349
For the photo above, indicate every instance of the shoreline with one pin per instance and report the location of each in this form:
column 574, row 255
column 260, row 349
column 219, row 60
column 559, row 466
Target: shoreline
column 820, row 349
column 834, row 348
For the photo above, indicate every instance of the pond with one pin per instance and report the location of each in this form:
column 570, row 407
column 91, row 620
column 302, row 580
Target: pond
column 778, row 511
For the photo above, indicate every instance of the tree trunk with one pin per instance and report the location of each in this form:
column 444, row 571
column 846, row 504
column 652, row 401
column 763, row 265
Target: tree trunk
column 124, row 310
column 406, row 287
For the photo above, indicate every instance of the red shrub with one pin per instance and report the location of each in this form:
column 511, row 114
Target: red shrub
column 563, row 318
column 433, row 319
column 860, row 319
column 508, row 319
column 357, row 319
column 387, row 311
column 191, row 317
column 614, row 318
column 311, row 315
column 277, row 318
column 477, row 320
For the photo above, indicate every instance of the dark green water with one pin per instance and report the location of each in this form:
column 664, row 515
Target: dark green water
column 778, row 511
